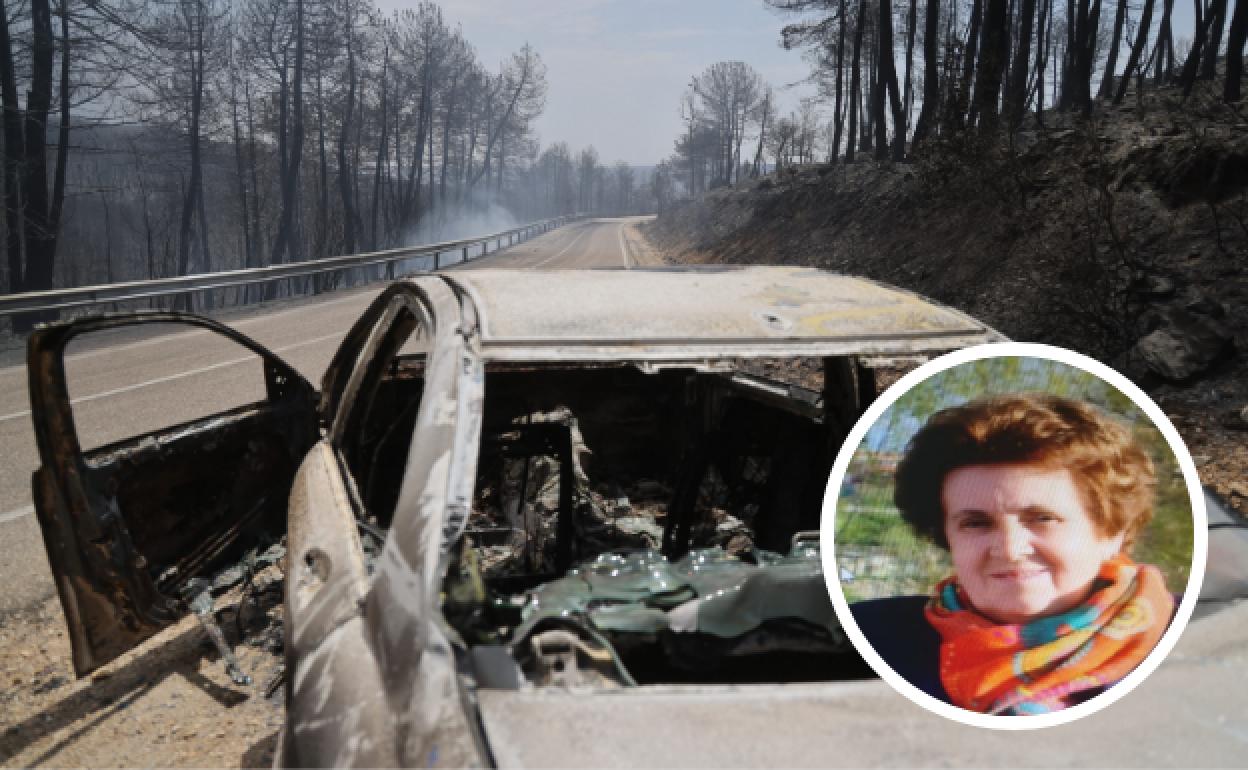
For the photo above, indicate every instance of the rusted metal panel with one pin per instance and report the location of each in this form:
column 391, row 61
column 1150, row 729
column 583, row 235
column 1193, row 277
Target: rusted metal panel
column 128, row 525
column 402, row 609
column 704, row 313
column 338, row 714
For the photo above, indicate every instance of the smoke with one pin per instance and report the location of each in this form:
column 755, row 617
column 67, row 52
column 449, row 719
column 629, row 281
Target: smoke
column 470, row 219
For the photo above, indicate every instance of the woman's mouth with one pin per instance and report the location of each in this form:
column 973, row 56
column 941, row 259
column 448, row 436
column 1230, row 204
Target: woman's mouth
column 1019, row 574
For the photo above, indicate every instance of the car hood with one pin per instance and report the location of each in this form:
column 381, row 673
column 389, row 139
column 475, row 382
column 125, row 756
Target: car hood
column 1184, row 714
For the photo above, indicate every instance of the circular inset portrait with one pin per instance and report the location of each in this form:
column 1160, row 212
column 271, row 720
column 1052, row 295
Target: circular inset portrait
column 1016, row 531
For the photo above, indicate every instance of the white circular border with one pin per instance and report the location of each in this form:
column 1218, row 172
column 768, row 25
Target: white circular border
column 1200, row 543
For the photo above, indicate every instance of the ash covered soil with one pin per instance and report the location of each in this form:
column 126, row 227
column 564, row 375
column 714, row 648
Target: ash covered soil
column 1124, row 237
column 168, row 703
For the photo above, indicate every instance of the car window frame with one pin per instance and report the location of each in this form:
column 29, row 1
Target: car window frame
column 83, row 542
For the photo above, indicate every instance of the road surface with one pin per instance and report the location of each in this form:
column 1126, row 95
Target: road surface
column 169, row 704
column 130, row 382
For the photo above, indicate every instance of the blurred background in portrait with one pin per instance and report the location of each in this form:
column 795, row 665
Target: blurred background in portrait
column 878, row 554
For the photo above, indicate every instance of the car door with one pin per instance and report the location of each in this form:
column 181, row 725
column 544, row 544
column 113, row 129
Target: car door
column 127, row 525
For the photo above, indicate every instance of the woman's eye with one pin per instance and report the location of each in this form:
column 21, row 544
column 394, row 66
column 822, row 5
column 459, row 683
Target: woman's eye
column 1044, row 518
column 976, row 523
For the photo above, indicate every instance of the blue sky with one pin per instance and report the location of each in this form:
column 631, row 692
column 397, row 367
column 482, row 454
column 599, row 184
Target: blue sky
column 616, row 69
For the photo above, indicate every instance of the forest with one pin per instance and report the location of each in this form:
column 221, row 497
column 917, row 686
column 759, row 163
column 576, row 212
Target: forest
column 172, row 137
column 890, row 78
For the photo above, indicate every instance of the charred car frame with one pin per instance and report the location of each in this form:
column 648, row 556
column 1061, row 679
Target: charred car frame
column 511, row 486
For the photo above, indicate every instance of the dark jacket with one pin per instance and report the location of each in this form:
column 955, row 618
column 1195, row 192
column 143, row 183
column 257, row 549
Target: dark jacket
column 901, row 635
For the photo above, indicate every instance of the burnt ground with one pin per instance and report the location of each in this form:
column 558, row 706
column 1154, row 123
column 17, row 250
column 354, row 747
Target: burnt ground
column 1124, row 237
column 168, row 703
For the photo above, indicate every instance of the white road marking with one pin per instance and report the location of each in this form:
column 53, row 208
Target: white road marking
column 178, row 376
column 14, row 515
column 565, row 248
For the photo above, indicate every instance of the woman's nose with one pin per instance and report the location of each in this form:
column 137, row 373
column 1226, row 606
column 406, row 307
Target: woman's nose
column 1013, row 541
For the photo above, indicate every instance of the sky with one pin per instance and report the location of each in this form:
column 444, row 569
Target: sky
column 616, row 69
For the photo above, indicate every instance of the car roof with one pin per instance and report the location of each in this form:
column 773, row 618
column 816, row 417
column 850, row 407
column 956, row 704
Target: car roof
column 692, row 312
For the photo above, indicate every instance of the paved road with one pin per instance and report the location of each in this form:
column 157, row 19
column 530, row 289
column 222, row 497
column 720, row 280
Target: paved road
column 133, row 381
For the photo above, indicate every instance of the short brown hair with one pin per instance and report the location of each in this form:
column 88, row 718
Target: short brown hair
column 1113, row 474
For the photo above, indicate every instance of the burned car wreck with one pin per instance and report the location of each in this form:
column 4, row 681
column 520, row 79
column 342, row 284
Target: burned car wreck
column 511, row 485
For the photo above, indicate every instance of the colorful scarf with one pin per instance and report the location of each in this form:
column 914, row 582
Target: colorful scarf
column 1035, row 668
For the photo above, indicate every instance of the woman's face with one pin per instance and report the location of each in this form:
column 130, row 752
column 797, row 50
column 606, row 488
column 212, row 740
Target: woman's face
column 1022, row 542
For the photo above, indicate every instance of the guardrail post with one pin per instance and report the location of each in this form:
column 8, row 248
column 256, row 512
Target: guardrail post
column 465, row 259
column 436, row 254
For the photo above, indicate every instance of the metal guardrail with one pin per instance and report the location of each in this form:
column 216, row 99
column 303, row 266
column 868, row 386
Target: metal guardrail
column 57, row 299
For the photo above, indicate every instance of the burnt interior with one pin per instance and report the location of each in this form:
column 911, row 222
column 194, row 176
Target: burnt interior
column 578, row 461
column 184, row 501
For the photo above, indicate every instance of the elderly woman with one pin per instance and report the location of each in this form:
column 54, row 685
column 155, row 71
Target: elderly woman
column 1038, row 499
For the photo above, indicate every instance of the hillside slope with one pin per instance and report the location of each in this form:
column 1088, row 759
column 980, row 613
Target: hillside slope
column 1125, row 237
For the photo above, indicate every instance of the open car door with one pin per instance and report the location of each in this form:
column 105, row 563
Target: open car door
column 129, row 524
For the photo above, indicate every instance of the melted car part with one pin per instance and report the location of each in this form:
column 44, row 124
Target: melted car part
column 671, row 496
column 562, row 658
column 638, row 617
column 200, row 593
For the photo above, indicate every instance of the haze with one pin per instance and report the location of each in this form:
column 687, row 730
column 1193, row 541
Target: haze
column 616, row 68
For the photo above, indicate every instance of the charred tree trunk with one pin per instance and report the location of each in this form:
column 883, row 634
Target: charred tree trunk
column 1111, row 64
column 1191, row 66
column 1044, row 34
column 931, row 75
column 907, row 99
column 190, row 201
column 448, row 123
column 886, row 85
column 868, row 127
column 1217, row 22
column 14, row 154
column 204, row 254
column 62, row 142
column 1016, row 104
column 240, row 173
column 322, row 188
column 838, row 108
column 347, row 170
column 991, row 64
column 36, row 223
column 1137, row 50
column 1235, row 38
column 1163, row 53
column 255, row 174
column 1076, row 90
column 855, row 82
column 287, row 241
column 971, row 51
column 382, row 153
column 1065, row 96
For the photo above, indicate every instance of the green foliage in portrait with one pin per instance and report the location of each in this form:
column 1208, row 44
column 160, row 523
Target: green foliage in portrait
column 879, row 555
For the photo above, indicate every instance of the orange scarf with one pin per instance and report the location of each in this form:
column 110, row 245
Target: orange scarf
column 1034, row 668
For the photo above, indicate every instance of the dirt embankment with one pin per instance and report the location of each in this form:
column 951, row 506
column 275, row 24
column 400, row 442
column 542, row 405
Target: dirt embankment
column 1124, row 237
